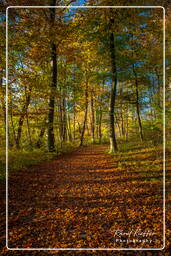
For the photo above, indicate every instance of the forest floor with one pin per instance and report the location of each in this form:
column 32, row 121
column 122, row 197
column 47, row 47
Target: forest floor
column 82, row 199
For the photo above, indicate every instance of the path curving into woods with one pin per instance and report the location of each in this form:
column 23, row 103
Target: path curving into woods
column 79, row 200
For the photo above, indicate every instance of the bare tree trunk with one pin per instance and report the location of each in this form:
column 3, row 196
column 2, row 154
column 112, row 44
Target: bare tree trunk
column 12, row 123
column 85, row 115
column 61, row 120
column 21, row 120
column 100, row 125
column 42, row 131
column 127, row 123
column 79, row 128
column 117, row 121
column 69, row 128
column 137, row 104
column 28, row 129
column 41, row 134
column 64, row 124
column 51, row 139
column 122, row 122
column 93, row 119
column 3, row 101
column 158, row 84
column 74, row 121
column 97, row 124
column 113, row 142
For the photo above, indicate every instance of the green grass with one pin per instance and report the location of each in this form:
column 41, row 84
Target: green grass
column 144, row 159
column 18, row 160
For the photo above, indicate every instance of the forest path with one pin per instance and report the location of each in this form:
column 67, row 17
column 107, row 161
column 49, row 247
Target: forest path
column 79, row 200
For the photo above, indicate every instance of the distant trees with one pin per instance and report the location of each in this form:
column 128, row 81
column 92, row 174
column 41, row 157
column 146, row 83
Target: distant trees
column 83, row 76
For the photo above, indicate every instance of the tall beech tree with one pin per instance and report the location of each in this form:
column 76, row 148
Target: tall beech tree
column 53, row 49
column 113, row 143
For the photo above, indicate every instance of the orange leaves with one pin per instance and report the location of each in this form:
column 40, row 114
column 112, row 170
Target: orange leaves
column 79, row 202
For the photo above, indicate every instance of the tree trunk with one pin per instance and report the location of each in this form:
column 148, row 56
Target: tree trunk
column 3, row 102
column 93, row 119
column 117, row 121
column 85, row 115
column 51, row 139
column 158, row 85
column 12, row 123
column 79, row 128
column 127, row 123
column 28, row 129
column 100, row 125
column 21, row 120
column 137, row 104
column 113, row 142
column 64, row 124
column 74, row 119
column 42, row 131
column 61, row 120
column 69, row 129
column 97, row 124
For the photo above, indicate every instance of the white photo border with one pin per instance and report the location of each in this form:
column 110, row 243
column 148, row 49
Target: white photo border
column 164, row 137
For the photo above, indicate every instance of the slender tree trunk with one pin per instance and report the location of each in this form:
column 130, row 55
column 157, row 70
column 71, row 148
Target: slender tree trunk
column 12, row 123
column 74, row 121
column 137, row 104
column 122, row 122
column 64, row 124
column 41, row 134
column 122, row 114
column 118, row 124
column 21, row 120
column 69, row 128
column 79, row 128
column 158, row 84
column 113, row 142
column 100, row 125
column 3, row 102
column 61, row 120
column 28, row 128
column 27, row 120
column 97, row 124
column 152, row 94
column 42, row 131
column 51, row 139
column 85, row 115
column 127, row 123
column 93, row 119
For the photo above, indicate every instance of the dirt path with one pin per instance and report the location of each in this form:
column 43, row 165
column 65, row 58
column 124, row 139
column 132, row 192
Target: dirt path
column 80, row 200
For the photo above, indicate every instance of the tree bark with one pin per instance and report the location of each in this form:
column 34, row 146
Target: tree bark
column 51, row 138
column 64, row 124
column 85, row 115
column 21, row 120
column 12, row 123
column 74, row 109
column 41, row 134
column 3, row 102
column 113, row 142
column 93, row 119
column 100, row 125
column 158, row 85
column 137, row 104
column 69, row 129
column 61, row 120
column 127, row 123
column 28, row 129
